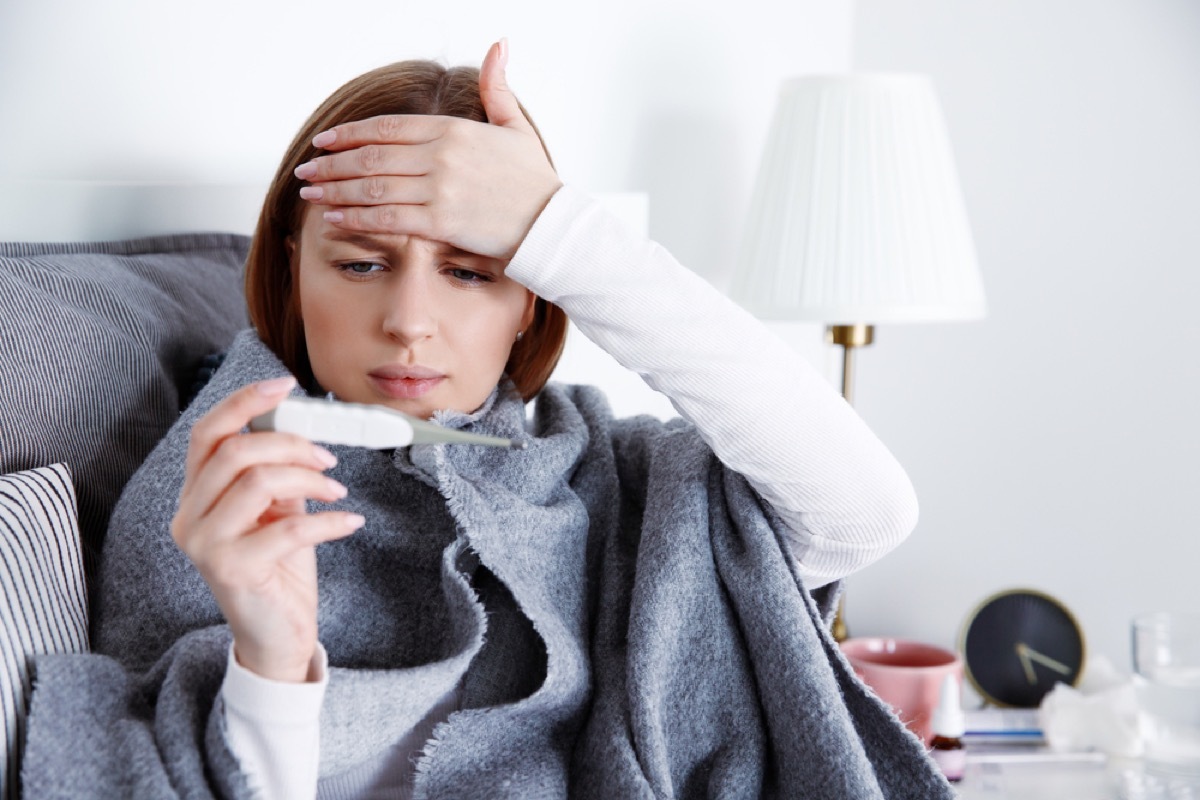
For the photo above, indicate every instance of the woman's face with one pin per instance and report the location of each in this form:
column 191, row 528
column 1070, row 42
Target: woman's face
column 404, row 322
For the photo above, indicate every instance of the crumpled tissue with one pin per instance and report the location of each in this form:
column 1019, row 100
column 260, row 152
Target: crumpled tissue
column 1101, row 715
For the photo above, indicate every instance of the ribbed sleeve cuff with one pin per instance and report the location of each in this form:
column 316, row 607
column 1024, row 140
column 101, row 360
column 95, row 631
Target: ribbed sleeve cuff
column 269, row 702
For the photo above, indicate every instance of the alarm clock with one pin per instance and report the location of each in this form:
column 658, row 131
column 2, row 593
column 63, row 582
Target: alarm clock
column 1017, row 644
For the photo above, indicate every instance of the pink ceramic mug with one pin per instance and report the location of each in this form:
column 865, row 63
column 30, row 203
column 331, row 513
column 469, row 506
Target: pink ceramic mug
column 907, row 675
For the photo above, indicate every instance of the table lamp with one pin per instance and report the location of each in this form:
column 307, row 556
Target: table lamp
column 857, row 217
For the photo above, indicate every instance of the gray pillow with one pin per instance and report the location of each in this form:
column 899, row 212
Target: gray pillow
column 98, row 344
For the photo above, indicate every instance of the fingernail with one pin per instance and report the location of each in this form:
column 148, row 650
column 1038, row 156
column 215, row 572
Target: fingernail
column 335, row 488
column 276, row 385
column 324, row 457
column 324, row 138
column 306, row 170
column 334, row 216
column 504, row 51
column 311, row 192
column 355, row 520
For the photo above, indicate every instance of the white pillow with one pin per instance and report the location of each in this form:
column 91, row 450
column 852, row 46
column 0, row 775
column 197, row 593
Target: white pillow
column 43, row 599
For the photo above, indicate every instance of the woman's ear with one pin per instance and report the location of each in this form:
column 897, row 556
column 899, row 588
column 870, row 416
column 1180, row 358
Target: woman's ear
column 530, row 307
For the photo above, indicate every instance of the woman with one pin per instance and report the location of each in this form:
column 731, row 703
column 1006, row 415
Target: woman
column 622, row 609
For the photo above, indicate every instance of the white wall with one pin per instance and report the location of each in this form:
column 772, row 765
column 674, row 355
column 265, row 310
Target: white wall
column 1057, row 443
column 642, row 95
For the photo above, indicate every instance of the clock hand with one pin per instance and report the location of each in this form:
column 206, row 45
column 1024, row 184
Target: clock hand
column 1047, row 661
column 1023, row 654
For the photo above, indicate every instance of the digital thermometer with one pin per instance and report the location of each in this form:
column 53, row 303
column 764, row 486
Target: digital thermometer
column 360, row 425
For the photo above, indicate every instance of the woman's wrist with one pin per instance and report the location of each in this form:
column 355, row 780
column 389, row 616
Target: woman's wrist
column 544, row 195
column 286, row 669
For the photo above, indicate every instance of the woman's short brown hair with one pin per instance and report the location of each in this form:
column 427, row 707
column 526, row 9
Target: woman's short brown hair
column 407, row 87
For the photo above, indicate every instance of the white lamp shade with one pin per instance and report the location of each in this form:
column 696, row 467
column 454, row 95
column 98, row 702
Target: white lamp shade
column 857, row 215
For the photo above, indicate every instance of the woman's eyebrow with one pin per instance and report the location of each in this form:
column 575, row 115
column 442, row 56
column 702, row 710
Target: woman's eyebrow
column 369, row 242
column 363, row 240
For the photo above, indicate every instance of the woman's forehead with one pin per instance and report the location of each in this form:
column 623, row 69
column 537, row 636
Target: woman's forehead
column 316, row 229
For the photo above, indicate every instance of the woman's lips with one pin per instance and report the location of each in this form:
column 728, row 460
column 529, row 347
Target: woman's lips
column 406, row 384
column 405, row 388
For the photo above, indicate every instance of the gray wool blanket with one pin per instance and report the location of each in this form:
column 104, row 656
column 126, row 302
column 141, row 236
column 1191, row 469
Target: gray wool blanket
column 620, row 610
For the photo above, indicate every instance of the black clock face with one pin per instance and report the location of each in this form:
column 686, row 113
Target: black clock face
column 1018, row 645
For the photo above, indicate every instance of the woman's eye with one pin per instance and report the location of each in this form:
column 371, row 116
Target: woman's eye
column 359, row 267
column 467, row 276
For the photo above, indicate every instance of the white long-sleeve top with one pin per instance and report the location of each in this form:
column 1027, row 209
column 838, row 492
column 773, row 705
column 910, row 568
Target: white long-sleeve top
column 764, row 410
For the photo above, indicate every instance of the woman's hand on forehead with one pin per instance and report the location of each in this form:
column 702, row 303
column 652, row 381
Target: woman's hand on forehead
column 477, row 186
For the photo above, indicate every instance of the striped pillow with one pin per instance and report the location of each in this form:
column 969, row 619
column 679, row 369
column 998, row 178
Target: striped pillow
column 43, row 603
column 100, row 342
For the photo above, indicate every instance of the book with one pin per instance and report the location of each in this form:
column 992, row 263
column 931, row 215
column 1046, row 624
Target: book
column 1003, row 726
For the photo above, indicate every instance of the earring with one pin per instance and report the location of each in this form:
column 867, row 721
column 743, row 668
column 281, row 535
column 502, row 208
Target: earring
column 519, row 335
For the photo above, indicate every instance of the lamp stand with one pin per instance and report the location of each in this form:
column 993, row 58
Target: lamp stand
column 849, row 337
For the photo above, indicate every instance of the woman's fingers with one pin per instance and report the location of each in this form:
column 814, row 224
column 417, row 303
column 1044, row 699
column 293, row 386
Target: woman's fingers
column 256, row 490
column 373, row 158
column 498, row 100
column 408, row 129
column 419, row 221
column 231, row 415
column 371, row 191
column 237, row 453
column 242, row 563
column 282, row 508
column 274, row 542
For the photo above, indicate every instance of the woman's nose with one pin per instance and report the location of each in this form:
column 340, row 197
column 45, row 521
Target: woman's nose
column 411, row 313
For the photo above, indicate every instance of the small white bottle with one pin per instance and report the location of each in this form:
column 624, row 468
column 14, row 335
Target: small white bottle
column 948, row 727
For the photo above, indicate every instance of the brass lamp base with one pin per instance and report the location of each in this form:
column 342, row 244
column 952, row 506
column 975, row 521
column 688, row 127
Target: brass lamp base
column 849, row 337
